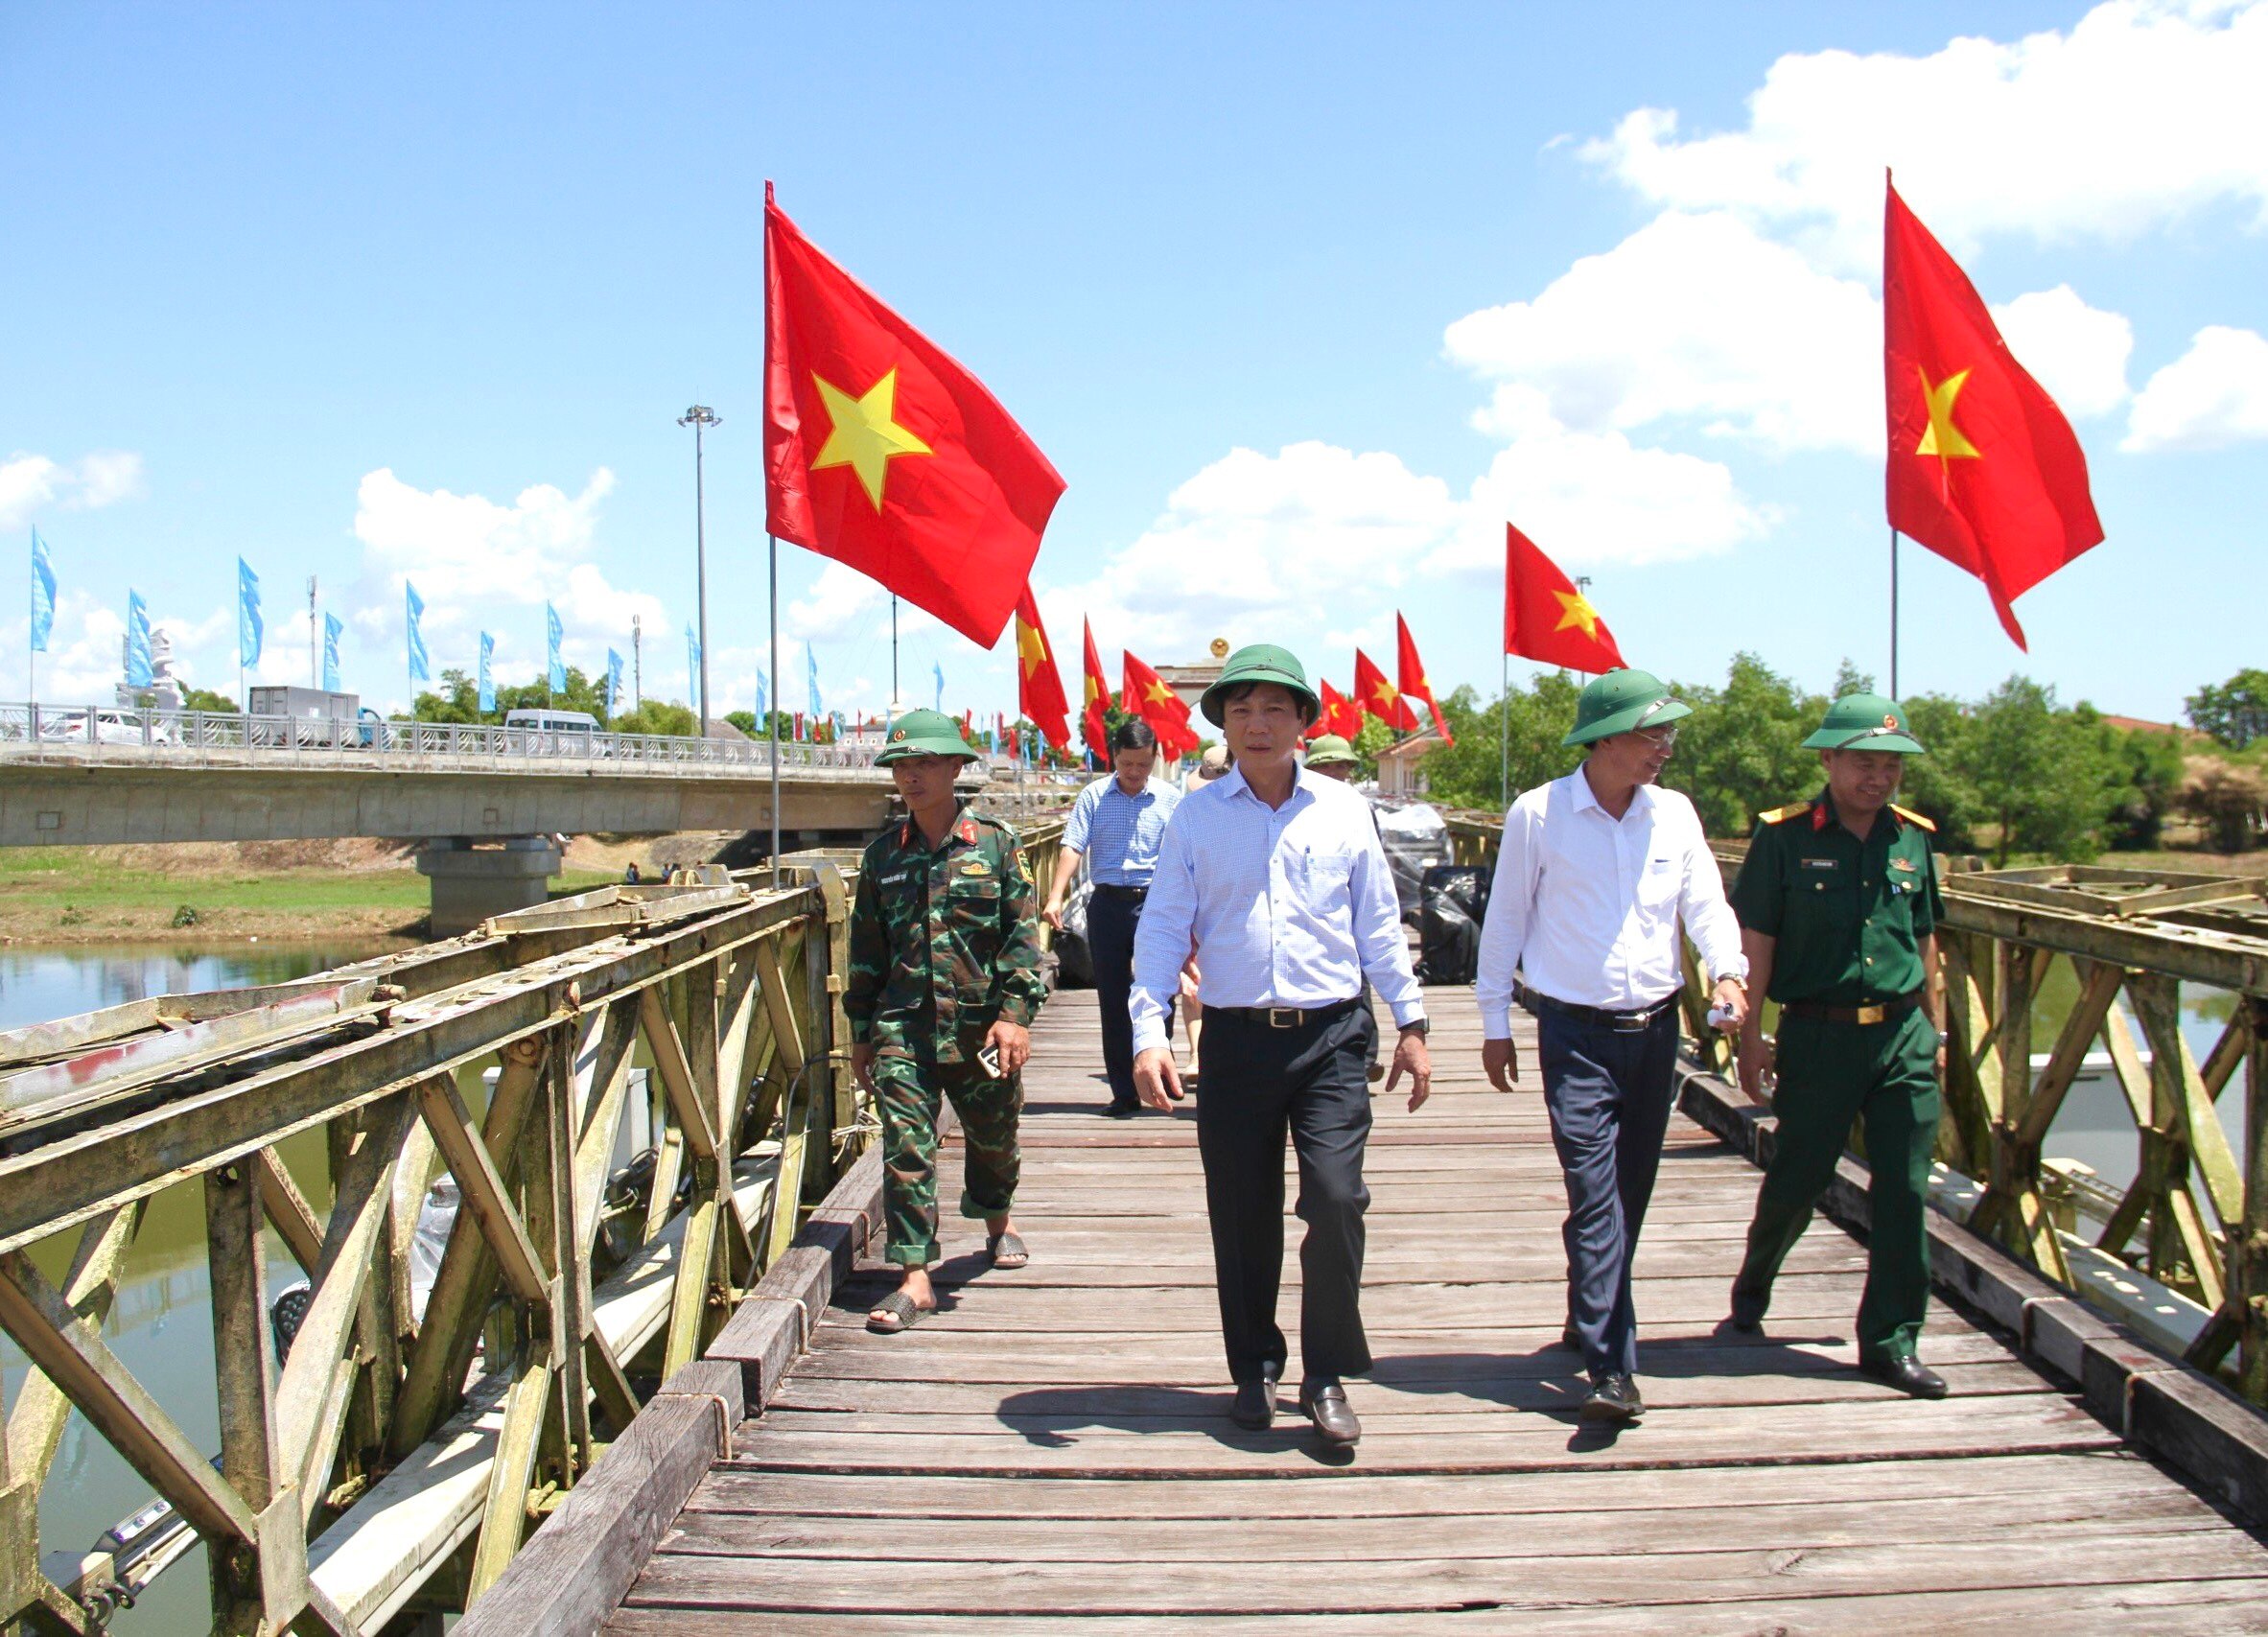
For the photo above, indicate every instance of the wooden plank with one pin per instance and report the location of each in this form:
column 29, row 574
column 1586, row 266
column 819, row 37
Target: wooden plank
column 486, row 1198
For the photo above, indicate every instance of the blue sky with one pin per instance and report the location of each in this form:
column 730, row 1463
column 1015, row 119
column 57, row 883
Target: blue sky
column 1303, row 301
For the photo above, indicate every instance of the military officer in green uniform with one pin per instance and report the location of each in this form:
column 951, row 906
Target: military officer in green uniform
column 944, row 980
column 1838, row 908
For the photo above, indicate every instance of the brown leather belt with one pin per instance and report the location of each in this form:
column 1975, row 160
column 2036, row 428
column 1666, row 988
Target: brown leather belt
column 1632, row 1023
column 1882, row 1012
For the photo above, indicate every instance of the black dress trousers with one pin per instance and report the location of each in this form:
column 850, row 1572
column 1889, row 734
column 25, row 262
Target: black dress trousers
column 1261, row 1084
column 1113, row 914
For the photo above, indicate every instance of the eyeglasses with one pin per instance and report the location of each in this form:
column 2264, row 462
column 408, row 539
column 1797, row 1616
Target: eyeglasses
column 1661, row 738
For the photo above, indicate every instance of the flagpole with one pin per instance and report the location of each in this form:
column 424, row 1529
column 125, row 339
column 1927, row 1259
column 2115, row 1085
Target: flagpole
column 1504, row 723
column 1893, row 614
column 772, row 543
column 893, row 647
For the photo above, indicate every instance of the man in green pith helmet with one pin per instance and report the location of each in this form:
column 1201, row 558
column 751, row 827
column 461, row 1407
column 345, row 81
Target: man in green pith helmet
column 1332, row 756
column 944, row 980
column 1838, row 909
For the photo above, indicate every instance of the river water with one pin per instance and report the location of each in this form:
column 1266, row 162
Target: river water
column 161, row 1326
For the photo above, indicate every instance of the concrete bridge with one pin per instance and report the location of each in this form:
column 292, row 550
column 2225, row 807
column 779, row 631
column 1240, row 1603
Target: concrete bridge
column 487, row 802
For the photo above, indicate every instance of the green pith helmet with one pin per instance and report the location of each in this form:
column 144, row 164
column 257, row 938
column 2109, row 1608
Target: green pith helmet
column 1329, row 750
column 1260, row 661
column 1621, row 700
column 1864, row 721
column 925, row 733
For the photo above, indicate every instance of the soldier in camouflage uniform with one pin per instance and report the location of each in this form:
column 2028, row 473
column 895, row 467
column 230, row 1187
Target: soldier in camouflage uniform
column 944, row 969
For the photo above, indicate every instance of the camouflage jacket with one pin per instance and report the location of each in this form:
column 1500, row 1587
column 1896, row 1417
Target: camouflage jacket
column 943, row 942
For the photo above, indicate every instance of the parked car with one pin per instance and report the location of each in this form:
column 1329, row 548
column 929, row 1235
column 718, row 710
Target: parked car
column 108, row 727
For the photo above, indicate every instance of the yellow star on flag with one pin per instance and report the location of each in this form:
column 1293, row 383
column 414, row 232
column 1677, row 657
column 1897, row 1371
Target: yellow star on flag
column 1159, row 693
column 1030, row 649
column 1575, row 608
column 1095, row 691
column 1944, row 439
column 866, row 435
column 1385, row 691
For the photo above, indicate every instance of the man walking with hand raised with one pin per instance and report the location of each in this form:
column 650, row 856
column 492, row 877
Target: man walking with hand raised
column 1595, row 876
column 1275, row 875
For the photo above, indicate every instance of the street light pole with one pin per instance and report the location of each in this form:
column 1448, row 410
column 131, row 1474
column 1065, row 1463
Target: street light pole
column 700, row 417
column 637, row 668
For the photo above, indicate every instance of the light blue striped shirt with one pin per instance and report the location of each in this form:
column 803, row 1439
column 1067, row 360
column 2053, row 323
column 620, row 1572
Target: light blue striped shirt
column 1285, row 907
column 1120, row 833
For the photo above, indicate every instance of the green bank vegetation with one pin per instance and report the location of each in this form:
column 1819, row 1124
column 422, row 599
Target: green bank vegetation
column 2016, row 774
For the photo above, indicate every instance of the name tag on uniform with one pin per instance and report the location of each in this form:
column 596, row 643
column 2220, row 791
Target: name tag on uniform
column 891, row 881
column 1823, row 864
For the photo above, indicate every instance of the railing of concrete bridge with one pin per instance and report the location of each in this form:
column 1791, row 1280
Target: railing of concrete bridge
column 2182, row 1251
column 206, row 738
column 390, row 1461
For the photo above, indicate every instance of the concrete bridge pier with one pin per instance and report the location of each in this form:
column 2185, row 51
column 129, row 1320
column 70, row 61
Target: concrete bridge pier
column 473, row 880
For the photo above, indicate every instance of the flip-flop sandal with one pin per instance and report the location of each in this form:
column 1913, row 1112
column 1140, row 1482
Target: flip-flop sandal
column 900, row 1308
column 1007, row 1252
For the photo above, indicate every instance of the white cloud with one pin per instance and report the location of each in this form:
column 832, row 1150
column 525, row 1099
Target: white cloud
column 1692, row 319
column 2213, row 395
column 2142, row 114
column 1594, row 497
column 2077, row 352
column 480, row 564
column 30, row 484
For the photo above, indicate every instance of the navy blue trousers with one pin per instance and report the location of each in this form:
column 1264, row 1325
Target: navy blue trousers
column 1111, row 924
column 1609, row 1095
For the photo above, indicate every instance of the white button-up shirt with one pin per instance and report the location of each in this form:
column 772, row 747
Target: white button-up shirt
column 1588, row 906
column 1286, row 906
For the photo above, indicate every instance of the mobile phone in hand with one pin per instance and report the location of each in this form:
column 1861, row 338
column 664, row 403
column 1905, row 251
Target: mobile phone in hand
column 988, row 1060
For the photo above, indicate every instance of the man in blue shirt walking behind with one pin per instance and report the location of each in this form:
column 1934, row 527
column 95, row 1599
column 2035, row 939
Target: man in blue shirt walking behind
column 1116, row 825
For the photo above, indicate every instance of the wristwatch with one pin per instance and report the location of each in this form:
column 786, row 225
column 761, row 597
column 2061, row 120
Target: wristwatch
column 1416, row 1026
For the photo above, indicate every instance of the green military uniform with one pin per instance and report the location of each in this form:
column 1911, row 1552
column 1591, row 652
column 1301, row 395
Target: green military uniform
column 1847, row 916
column 945, row 941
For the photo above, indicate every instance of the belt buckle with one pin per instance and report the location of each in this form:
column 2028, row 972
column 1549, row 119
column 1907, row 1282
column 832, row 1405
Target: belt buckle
column 1872, row 1013
column 1284, row 1017
column 1632, row 1024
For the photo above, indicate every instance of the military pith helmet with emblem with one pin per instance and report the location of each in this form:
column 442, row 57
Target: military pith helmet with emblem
column 1620, row 702
column 1864, row 721
column 1260, row 661
column 925, row 733
column 1330, row 750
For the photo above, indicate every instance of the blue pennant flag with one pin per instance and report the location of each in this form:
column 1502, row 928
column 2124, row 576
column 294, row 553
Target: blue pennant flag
column 334, row 628
column 138, row 670
column 420, row 670
column 250, row 628
column 487, row 672
column 692, row 666
column 556, row 670
column 811, row 679
column 763, row 697
column 42, row 594
column 940, row 706
column 614, row 680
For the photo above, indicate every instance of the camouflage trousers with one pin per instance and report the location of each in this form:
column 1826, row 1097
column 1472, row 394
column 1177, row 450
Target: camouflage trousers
column 910, row 1104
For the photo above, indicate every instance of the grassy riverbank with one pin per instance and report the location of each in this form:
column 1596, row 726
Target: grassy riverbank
column 278, row 892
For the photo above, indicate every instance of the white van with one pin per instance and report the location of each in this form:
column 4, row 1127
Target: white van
column 553, row 721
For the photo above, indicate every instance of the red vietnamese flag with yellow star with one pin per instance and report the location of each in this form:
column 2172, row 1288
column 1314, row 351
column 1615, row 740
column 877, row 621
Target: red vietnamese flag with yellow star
column 882, row 452
column 1095, row 722
column 1147, row 696
column 1337, row 716
column 1983, row 468
column 1038, row 684
column 1546, row 619
column 1410, row 678
column 1381, row 698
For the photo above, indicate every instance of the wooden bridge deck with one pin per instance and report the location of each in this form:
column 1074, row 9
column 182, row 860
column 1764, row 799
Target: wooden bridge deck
column 1052, row 1451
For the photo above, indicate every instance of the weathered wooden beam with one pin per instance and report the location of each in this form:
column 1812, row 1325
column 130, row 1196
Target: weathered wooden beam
column 2158, row 1004
column 486, row 1198
column 90, row 1286
column 503, row 1516
column 286, row 1207
column 564, row 1248
column 2248, row 1279
column 686, row 1103
column 72, row 1352
column 248, row 1578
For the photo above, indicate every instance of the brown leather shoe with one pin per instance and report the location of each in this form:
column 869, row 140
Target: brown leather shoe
column 1324, row 1403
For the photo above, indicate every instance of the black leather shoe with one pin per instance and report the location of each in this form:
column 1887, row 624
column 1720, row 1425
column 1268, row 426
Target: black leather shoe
column 1569, row 1340
column 1256, row 1403
column 1122, row 1111
column 1906, row 1374
column 1614, row 1398
column 1324, row 1403
column 1748, row 1308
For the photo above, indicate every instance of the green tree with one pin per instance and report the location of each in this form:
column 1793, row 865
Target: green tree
column 2235, row 713
column 205, row 699
column 1471, row 773
column 2228, row 798
column 2145, row 768
column 458, row 699
column 1936, row 783
column 659, row 717
column 1742, row 752
column 2040, row 773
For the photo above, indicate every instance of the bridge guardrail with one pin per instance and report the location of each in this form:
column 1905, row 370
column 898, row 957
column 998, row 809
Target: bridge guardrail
column 2195, row 1218
column 112, row 733
column 380, row 1457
